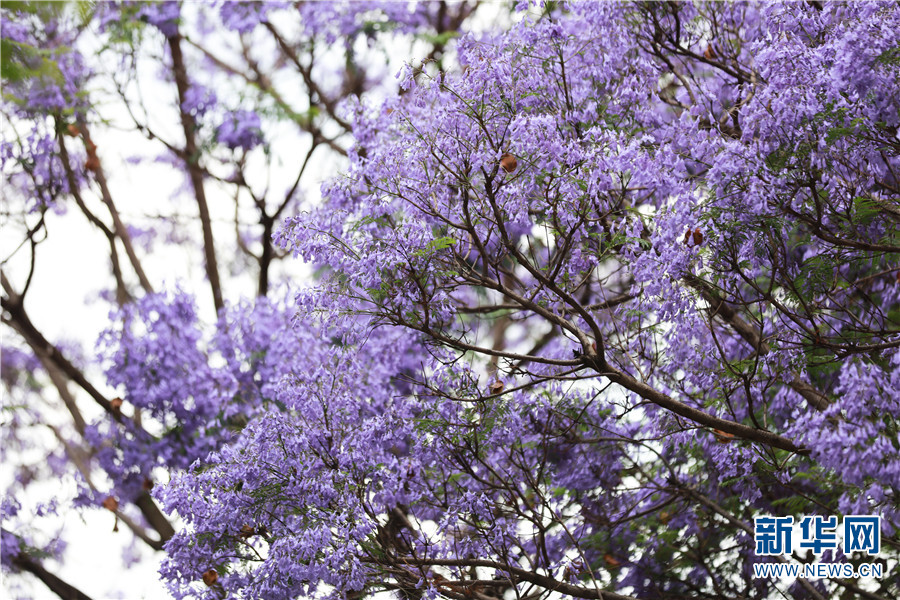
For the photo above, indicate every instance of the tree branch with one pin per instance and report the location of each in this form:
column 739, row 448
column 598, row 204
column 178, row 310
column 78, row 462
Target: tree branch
column 718, row 307
column 65, row 591
column 543, row 581
column 194, row 172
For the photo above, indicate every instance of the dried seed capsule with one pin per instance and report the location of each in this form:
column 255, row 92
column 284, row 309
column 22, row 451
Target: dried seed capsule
column 612, row 561
column 508, row 162
column 723, row 437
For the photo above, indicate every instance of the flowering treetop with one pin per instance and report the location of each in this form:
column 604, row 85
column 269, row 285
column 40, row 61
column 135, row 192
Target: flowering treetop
column 586, row 304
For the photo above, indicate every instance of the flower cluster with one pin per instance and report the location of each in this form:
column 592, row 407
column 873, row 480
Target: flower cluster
column 240, row 129
column 695, row 200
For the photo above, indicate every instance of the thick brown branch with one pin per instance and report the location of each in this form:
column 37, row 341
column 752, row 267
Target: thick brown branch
column 155, row 517
column 65, row 591
column 118, row 226
column 62, row 387
column 195, row 173
column 18, row 319
column 698, row 416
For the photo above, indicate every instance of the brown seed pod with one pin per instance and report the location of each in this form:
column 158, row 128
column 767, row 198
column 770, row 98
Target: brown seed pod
column 612, row 561
column 496, row 387
column 110, row 503
column 687, row 237
column 147, row 485
column 116, row 404
column 72, row 130
column 508, row 162
column 440, row 583
column 210, row 577
column 92, row 164
column 247, row 531
column 723, row 437
column 709, row 53
column 698, row 237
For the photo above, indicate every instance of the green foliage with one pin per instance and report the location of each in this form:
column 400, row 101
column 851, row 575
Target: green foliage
column 864, row 210
column 22, row 62
column 841, row 131
column 890, row 56
column 816, row 276
column 434, row 246
column 438, row 39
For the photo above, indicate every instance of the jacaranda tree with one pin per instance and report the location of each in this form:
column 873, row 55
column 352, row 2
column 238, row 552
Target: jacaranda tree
column 595, row 290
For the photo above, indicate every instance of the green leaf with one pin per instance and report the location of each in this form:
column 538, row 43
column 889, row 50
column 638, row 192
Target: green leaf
column 439, row 39
column 864, row 210
column 435, row 245
column 816, row 275
column 889, row 57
